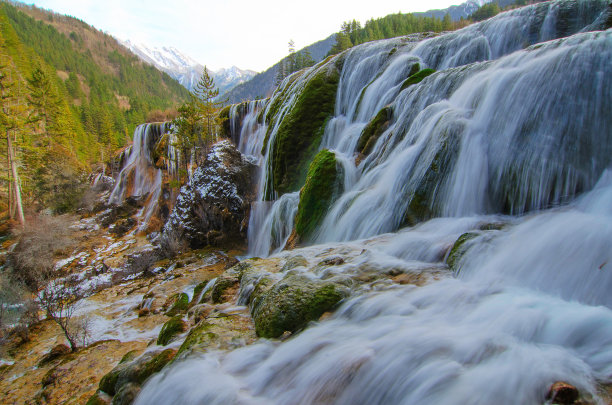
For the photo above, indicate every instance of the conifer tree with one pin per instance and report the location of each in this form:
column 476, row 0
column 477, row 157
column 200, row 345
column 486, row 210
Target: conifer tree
column 205, row 95
column 44, row 103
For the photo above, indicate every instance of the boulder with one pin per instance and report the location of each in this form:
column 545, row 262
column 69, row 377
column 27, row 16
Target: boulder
column 213, row 208
column 291, row 303
column 562, row 393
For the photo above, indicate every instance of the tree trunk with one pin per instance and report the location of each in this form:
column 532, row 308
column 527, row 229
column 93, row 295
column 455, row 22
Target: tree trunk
column 17, row 191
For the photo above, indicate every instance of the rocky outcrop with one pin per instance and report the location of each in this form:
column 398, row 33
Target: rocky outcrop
column 213, row 208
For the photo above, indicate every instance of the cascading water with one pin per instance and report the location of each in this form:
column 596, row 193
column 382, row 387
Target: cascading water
column 138, row 176
column 504, row 130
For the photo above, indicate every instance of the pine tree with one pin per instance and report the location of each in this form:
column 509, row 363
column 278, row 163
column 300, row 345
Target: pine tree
column 205, row 95
column 44, row 103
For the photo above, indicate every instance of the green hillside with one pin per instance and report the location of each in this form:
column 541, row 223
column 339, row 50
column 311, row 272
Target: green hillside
column 71, row 96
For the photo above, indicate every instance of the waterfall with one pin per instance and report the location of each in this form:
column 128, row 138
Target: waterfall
column 138, row 176
column 481, row 69
column 512, row 129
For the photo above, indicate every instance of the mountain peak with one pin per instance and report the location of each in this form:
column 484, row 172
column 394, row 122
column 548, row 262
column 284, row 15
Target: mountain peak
column 184, row 68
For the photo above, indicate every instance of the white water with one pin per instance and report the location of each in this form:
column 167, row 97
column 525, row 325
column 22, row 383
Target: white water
column 138, row 176
column 530, row 304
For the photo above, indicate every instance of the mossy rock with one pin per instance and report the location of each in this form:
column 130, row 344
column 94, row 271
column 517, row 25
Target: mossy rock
column 170, row 329
column 126, row 395
column 109, row 380
column 139, row 370
column 458, row 250
column 199, row 335
column 197, row 291
column 293, row 262
column 417, row 78
column 99, row 398
column 129, row 356
column 300, row 132
column 375, row 128
column 422, row 205
column 181, row 304
column 292, row 303
column 219, row 292
column 322, row 185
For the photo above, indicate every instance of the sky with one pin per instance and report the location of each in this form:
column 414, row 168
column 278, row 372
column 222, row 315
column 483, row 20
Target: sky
column 222, row 33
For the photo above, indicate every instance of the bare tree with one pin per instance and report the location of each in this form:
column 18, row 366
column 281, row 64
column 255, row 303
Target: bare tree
column 59, row 303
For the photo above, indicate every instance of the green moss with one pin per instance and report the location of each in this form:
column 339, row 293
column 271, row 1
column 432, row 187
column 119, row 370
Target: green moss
column 374, row 130
column 170, row 329
column 417, row 77
column 99, row 398
column 317, row 194
column 144, row 371
column 129, row 356
column 225, row 122
column 196, row 292
column 109, row 381
column 199, row 335
column 299, row 134
column 291, row 303
column 181, row 304
column 222, row 284
column 458, row 250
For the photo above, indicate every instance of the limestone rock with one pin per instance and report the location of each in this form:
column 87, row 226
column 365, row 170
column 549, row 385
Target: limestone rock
column 212, row 209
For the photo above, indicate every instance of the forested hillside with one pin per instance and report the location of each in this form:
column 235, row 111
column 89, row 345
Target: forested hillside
column 72, row 95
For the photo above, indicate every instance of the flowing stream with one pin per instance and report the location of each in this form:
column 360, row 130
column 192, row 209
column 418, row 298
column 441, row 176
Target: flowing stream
column 518, row 112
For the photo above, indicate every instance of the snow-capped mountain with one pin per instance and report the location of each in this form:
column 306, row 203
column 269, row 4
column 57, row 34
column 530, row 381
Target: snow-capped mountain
column 185, row 69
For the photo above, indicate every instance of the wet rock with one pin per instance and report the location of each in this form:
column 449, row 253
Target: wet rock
column 55, row 353
column 126, row 395
column 122, row 227
column 291, row 303
column 170, row 329
column 562, row 393
column 375, row 128
column 180, row 304
column 332, row 261
column 99, row 398
column 293, row 262
column 459, row 249
column 199, row 312
column 211, row 209
column 136, row 371
column 224, row 289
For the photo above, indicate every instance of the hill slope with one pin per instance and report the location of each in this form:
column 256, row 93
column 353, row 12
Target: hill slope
column 72, row 95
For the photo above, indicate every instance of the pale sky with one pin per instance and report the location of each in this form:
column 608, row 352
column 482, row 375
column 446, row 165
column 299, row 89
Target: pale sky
column 221, row 33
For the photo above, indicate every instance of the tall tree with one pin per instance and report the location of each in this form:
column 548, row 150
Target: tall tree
column 8, row 122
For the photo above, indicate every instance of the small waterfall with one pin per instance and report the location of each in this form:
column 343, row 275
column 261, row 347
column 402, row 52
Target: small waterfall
column 138, row 176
